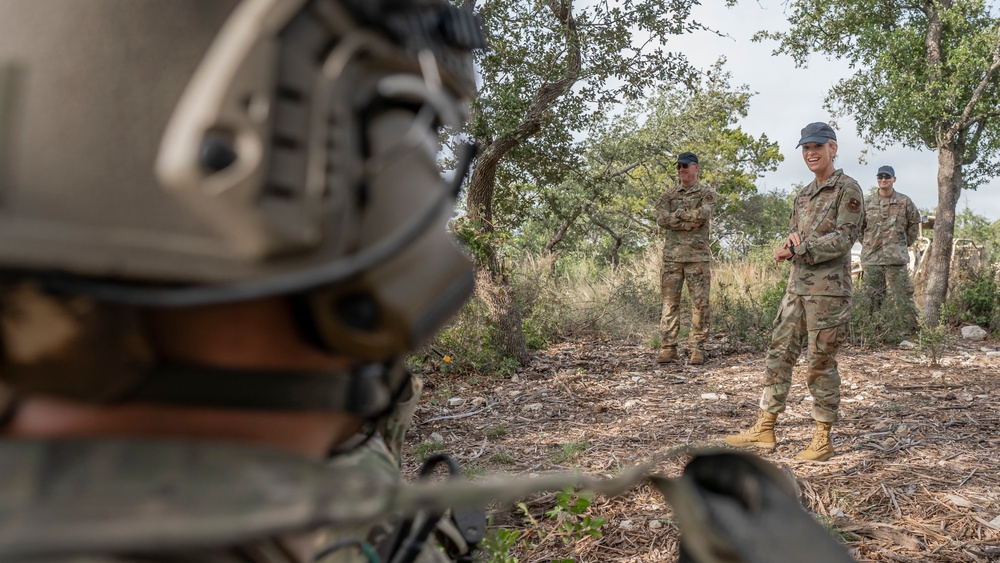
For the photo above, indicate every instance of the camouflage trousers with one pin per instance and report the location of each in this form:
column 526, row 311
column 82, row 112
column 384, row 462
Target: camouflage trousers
column 698, row 276
column 900, row 291
column 820, row 323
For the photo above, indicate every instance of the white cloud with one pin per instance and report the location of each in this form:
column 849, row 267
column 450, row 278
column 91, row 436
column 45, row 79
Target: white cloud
column 788, row 98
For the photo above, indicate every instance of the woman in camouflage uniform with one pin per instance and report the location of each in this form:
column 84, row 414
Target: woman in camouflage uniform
column 825, row 222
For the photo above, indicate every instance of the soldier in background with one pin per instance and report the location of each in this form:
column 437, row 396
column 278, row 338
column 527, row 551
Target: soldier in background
column 891, row 226
column 826, row 218
column 684, row 213
column 222, row 227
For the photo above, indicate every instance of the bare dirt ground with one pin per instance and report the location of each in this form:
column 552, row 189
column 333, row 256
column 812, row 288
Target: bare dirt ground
column 915, row 477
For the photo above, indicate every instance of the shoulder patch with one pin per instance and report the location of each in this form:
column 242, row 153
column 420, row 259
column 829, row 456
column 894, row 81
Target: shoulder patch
column 854, row 205
column 710, row 198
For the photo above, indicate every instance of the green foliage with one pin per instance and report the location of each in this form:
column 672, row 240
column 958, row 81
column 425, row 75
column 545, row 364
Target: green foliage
column 496, row 432
column 874, row 325
column 566, row 521
column 746, row 301
column 979, row 229
column 932, row 340
column 497, row 545
column 759, row 221
column 426, row 450
column 911, row 85
column 975, row 299
column 603, row 206
column 550, row 70
column 503, row 458
column 569, row 452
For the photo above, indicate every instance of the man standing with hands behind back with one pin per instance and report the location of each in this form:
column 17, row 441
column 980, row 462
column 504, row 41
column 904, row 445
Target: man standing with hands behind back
column 683, row 213
column 892, row 224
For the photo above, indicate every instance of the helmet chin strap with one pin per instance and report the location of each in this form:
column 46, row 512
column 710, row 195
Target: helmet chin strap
column 368, row 391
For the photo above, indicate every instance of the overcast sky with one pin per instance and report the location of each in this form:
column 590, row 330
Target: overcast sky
column 788, row 98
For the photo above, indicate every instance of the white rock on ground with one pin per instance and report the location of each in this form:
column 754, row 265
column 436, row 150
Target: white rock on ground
column 974, row 332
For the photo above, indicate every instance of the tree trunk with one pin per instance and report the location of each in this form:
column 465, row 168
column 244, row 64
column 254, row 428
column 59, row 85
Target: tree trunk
column 949, row 190
column 500, row 299
column 493, row 285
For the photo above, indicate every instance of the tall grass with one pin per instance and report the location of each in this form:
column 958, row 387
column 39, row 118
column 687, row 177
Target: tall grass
column 579, row 297
column 583, row 297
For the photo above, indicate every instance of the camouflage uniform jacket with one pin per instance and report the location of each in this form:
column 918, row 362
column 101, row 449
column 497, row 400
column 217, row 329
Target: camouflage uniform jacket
column 891, row 225
column 828, row 218
column 107, row 501
column 684, row 215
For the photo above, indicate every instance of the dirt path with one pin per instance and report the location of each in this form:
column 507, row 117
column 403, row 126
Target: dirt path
column 915, row 478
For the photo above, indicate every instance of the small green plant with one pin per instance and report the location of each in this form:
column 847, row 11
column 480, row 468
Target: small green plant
column 931, row 340
column 569, row 515
column 567, row 520
column 496, row 432
column 569, row 451
column 975, row 299
column 503, row 458
column 473, row 470
column 497, row 545
column 426, row 449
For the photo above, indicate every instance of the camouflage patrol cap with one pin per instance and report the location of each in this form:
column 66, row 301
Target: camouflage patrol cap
column 817, row 132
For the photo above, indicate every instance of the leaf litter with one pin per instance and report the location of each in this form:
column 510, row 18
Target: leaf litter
column 914, row 478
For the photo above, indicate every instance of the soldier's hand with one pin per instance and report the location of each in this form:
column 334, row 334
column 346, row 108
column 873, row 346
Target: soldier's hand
column 793, row 240
column 782, row 253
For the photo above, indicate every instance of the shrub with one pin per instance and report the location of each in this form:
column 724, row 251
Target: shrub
column 745, row 299
column 876, row 325
column 975, row 299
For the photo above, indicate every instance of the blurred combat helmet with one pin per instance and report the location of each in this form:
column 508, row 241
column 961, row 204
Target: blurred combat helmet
column 183, row 153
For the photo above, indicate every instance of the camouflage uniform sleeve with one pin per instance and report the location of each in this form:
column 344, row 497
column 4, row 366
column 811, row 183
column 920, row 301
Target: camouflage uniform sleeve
column 912, row 222
column 670, row 220
column 702, row 214
column 838, row 242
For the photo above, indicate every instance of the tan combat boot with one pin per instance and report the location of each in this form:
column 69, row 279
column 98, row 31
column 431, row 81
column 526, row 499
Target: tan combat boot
column 667, row 355
column 697, row 357
column 821, row 447
column 760, row 435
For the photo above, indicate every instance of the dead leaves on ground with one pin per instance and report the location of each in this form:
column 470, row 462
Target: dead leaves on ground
column 915, row 477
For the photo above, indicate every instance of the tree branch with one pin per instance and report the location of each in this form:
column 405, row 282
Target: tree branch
column 978, row 92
